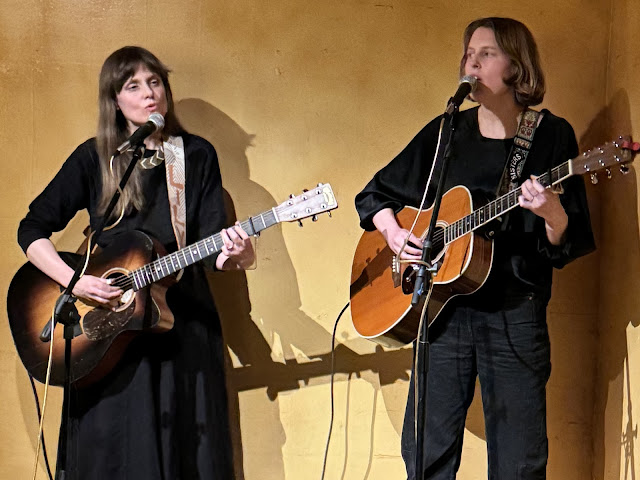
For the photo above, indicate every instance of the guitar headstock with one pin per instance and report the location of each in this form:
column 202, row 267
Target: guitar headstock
column 618, row 153
column 310, row 203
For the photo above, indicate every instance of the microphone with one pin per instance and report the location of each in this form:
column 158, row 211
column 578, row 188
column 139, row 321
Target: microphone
column 467, row 85
column 155, row 122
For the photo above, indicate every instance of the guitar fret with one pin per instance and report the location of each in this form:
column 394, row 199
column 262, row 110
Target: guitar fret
column 154, row 273
column 136, row 280
column 203, row 245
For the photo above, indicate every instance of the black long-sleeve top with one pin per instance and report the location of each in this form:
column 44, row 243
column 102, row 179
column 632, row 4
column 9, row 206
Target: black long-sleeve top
column 127, row 425
column 523, row 256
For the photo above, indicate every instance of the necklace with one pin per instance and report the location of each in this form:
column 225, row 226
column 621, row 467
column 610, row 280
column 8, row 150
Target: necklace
column 154, row 160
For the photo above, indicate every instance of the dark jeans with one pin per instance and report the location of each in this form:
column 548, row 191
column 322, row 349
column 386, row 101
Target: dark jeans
column 509, row 351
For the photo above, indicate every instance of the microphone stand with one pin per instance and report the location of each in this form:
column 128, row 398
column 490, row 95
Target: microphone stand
column 66, row 313
column 422, row 285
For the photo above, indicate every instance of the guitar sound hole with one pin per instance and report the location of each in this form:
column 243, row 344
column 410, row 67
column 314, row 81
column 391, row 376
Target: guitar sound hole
column 118, row 278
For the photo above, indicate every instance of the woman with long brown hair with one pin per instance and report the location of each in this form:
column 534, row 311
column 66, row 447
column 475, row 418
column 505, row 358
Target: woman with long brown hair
column 162, row 411
column 498, row 333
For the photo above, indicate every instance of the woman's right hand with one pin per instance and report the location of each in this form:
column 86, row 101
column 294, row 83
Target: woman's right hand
column 97, row 290
column 386, row 223
column 43, row 255
column 396, row 238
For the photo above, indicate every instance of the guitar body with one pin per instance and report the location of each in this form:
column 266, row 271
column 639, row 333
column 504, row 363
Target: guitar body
column 381, row 307
column 105, row 334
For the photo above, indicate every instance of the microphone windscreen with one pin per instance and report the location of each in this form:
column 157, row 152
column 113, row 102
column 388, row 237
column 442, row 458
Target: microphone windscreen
column 471, row 80
column 157, row 119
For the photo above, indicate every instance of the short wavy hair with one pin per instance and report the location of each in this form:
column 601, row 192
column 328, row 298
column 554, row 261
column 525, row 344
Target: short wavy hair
column 515, row 39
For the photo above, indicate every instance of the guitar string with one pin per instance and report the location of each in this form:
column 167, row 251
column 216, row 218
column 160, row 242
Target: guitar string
column 126, row 281
column 473, row 221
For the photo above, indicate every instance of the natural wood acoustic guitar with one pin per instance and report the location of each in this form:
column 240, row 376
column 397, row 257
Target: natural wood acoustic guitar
column 382, row 287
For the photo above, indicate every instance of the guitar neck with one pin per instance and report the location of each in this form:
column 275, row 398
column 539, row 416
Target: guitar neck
column 174, row 262
column 502, row 205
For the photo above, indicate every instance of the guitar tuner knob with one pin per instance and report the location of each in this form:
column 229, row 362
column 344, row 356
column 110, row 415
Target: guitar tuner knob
column 319, row 184
column 300, row 223
column 314, row 218
column 608, row 173
column 305, row 190
column 624, row 169
column 329, row 213
column 594, row 178
column 291, row 195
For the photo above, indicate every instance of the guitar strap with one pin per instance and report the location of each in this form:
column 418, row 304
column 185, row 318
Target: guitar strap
column 174, row 166
column 519, row 151
column 175, row 171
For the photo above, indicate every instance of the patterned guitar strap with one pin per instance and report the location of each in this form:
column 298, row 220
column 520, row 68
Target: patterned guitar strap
column 175, row 171
column 519, row 151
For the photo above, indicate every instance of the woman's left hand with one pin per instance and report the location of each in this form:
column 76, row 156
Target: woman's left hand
column 237, row 250
column 546, row 204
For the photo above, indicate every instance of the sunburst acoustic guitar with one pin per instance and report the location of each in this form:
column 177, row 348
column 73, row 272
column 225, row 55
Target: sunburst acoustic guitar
column 138, row 264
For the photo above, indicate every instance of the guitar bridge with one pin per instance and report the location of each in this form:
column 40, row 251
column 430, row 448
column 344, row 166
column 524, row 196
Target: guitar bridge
column 395, row 272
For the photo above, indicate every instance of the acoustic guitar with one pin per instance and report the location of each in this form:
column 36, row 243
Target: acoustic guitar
column 382, row 287
column 138, row 264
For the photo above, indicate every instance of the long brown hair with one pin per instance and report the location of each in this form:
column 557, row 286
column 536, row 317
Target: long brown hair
column 112, row 126
column 515, row 39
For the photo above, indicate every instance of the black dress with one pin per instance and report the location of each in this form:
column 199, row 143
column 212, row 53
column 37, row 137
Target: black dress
column 161, row 413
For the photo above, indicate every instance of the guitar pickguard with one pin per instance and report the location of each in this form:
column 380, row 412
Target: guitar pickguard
column 101, row 323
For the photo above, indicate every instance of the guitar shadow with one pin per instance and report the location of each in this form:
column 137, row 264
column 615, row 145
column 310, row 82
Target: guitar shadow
column 274, row 347
column 619, row 303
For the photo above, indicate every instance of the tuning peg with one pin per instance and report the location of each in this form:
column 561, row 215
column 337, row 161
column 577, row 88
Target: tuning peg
column 314, row 218
column 305, row 190
column 291, row 195
column 319, row 184
column 300, row 223
column 624, row 169
column 594, row 178
column 329, row 213
column 608, row 173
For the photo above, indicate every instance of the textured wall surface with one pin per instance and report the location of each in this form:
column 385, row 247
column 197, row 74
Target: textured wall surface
column 617, row 388
column 292, row 93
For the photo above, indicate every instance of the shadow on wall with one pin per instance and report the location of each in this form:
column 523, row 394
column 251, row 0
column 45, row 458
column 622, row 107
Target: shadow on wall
column 618, row 207
column 276, row 346
column 619, row 301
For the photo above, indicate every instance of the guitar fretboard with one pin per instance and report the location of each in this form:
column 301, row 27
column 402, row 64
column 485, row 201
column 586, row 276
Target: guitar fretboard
column 174, row 262
column 501, row 205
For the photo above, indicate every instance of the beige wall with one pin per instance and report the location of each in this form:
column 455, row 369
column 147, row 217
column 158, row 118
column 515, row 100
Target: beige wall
column 617, row 389
column 292, row 93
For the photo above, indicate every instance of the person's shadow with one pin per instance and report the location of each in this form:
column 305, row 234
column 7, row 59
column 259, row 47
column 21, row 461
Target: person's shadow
column 274, row 346
column 619, row 275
